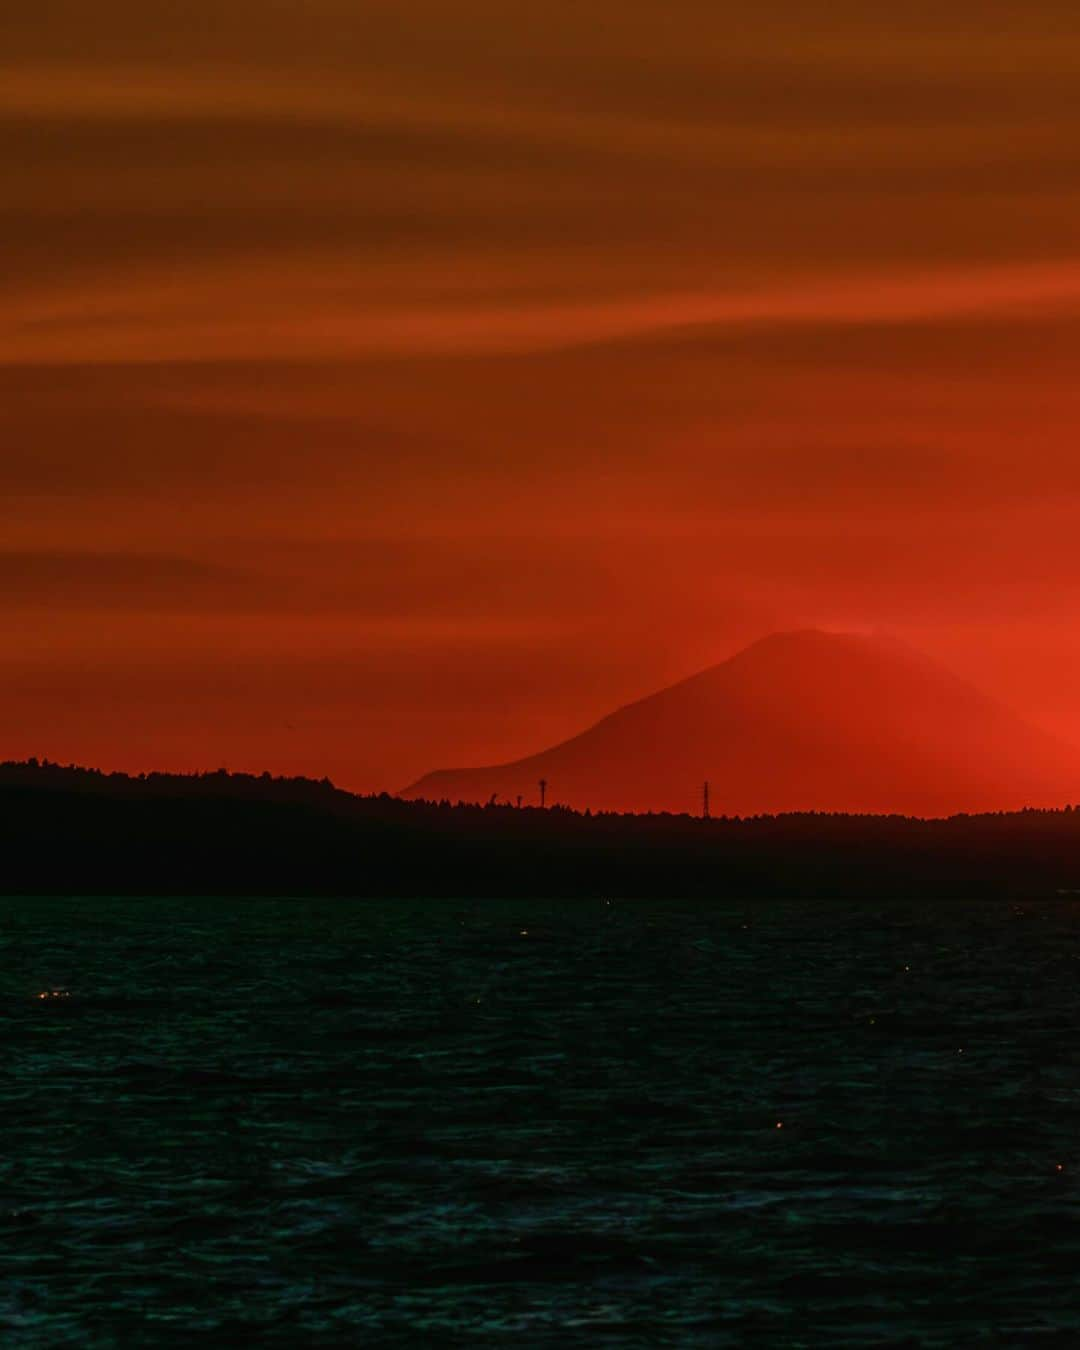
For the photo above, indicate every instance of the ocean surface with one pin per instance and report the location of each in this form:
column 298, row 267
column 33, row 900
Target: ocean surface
column 304, row 1123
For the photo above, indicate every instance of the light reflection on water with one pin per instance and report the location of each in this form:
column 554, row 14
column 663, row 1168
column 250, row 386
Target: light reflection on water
column 326, row 1122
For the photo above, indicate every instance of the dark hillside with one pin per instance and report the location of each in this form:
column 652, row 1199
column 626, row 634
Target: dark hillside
column 67, row 830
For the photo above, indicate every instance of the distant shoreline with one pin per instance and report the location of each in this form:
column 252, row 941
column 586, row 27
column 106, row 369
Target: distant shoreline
column 67, row 830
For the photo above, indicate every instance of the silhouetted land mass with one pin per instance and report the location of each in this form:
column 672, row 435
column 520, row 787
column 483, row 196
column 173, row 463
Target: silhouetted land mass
column 79, row 831
column 798, row 721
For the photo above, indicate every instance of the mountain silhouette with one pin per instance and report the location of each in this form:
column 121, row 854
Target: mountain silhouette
column 799, row 721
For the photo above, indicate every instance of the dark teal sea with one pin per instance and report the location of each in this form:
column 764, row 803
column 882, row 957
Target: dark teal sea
column 322, row 1123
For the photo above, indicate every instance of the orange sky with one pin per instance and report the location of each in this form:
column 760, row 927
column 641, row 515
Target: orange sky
column 388, row 386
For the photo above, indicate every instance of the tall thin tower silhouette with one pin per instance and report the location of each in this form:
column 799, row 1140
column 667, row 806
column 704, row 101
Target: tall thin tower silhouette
column 705, row 800
column 543, row 792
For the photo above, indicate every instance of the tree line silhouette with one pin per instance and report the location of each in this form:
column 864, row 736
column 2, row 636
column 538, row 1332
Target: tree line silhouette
column 65, row 829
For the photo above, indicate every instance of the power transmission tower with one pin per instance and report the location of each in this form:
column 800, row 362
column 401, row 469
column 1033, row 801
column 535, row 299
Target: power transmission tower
column 705, row 800
column 543, row 792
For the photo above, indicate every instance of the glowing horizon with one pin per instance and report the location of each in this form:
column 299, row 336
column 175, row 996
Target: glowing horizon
column 390, row 391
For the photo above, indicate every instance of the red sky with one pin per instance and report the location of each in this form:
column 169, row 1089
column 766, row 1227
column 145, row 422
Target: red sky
column 388, row 386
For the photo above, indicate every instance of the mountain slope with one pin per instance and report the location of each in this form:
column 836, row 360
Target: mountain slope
column 798, row 721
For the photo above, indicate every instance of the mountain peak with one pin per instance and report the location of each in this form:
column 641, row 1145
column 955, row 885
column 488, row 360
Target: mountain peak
column 823, row 642
column 806, row 719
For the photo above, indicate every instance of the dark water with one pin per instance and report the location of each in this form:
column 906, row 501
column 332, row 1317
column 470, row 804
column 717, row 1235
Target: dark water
column 325, row 1123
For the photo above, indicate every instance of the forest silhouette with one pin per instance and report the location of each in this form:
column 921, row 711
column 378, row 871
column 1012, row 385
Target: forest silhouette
column 80, row 831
